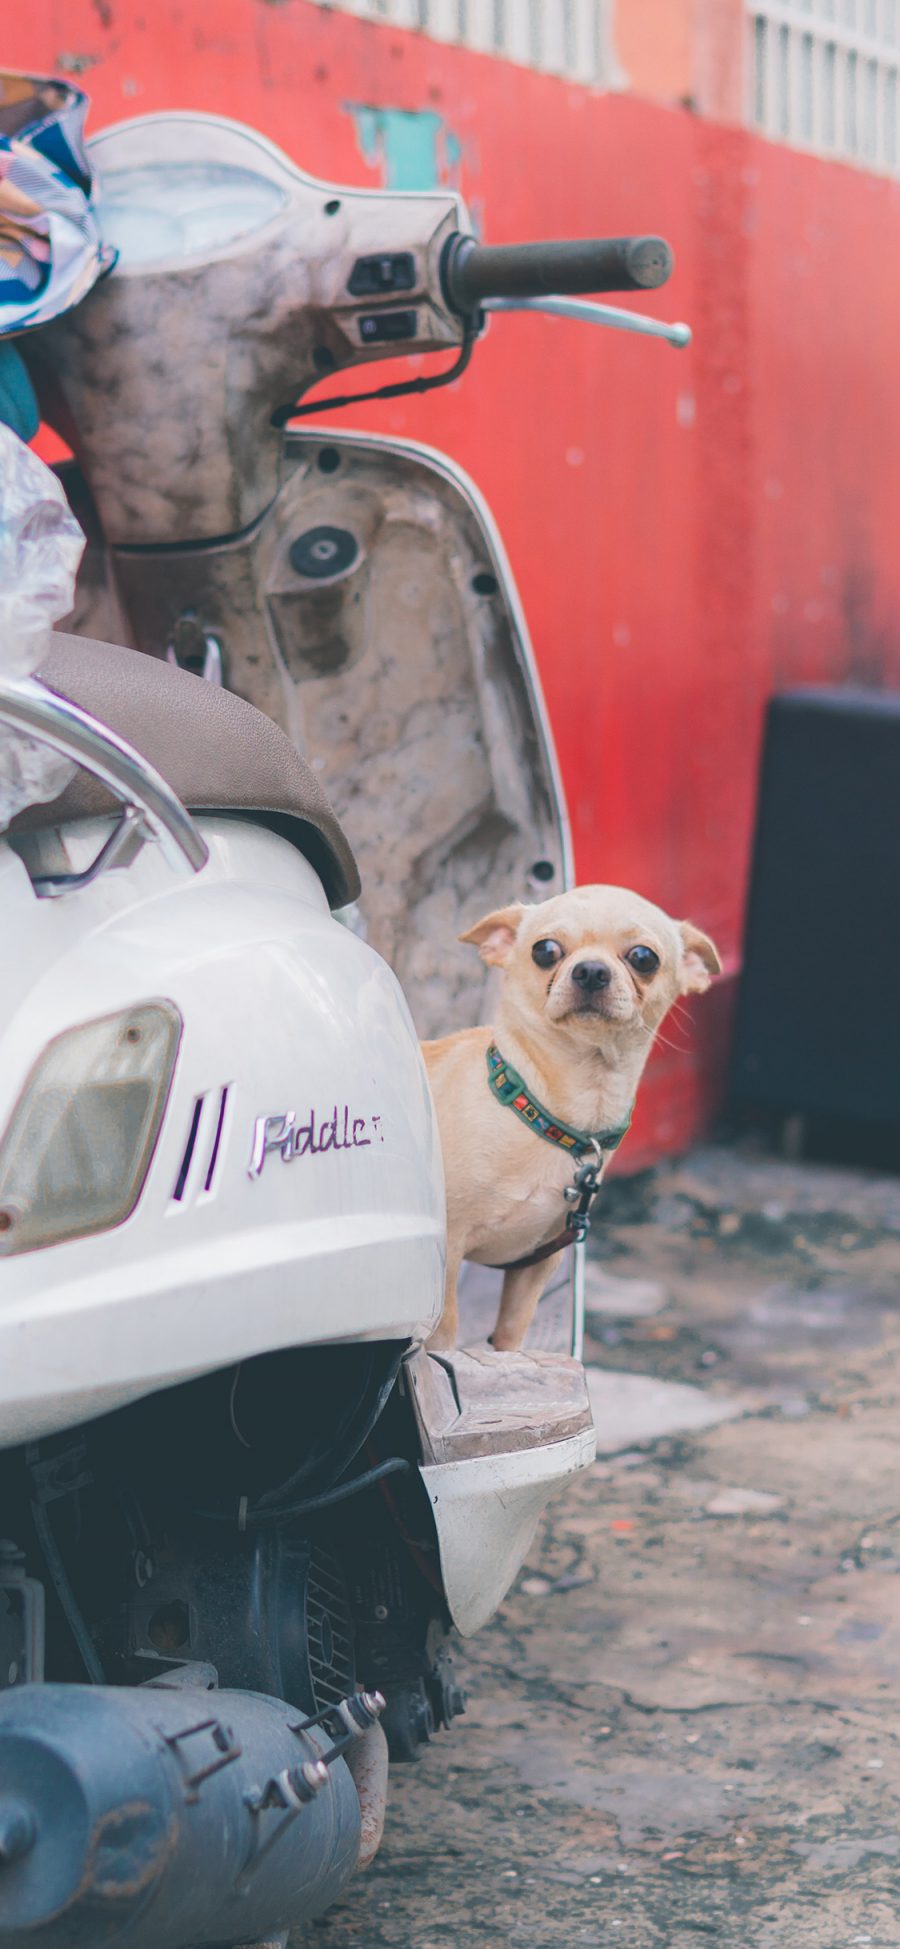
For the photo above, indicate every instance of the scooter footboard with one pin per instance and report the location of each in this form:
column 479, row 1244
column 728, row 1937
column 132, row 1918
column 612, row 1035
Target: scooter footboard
column 501, row 1433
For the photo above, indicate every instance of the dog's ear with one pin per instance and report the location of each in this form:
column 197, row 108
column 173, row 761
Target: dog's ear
column 495, row 935
column 699, row 961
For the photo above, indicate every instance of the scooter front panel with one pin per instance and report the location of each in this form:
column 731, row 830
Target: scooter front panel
column 295, row 1193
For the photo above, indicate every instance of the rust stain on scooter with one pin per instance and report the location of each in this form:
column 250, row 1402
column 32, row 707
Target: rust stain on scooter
column 127, row 1851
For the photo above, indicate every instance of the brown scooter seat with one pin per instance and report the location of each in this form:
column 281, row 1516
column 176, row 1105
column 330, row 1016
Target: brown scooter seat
column 218, row 753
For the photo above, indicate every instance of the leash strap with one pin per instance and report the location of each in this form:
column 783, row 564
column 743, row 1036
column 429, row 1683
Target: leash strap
column 557, row 1244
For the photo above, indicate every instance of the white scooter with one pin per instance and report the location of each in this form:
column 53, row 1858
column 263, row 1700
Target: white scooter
column 243, row 1505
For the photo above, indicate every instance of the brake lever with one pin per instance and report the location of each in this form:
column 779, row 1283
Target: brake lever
column 594, row 314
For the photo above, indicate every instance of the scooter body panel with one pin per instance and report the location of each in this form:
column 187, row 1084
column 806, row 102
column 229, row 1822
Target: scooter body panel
column 288, row 1014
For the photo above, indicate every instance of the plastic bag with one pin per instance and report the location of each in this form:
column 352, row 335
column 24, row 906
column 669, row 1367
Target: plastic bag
column 40, row 548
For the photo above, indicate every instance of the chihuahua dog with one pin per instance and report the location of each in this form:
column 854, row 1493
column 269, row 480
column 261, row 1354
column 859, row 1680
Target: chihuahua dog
column 587, row 979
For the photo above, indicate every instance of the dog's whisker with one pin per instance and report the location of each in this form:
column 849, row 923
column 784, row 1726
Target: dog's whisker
column 656, row 1035
column 684, row 1013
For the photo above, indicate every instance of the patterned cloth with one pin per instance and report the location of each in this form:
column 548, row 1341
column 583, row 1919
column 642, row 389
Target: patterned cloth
column 50, row 248
column 510, row 1090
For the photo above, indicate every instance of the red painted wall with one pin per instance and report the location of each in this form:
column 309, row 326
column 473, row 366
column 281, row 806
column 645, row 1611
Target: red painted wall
column 689, row 529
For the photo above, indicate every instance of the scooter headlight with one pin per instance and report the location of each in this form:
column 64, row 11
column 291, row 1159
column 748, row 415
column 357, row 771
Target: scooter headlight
column 78, row 1147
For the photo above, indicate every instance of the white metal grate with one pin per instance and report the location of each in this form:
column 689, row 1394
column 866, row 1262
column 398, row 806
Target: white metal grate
column 824, row 76
column 566, row 37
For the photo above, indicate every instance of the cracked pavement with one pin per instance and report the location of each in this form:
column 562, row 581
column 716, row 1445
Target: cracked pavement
column 684, row 1725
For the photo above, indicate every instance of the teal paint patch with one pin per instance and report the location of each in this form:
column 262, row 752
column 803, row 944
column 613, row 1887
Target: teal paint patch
column 412, row 147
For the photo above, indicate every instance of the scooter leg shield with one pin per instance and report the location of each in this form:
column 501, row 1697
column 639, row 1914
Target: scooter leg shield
column 149, row 1818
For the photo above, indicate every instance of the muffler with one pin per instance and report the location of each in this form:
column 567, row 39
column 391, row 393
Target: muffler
column 158, row 1818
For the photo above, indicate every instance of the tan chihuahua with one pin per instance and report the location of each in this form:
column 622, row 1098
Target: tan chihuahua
column 521, row 1104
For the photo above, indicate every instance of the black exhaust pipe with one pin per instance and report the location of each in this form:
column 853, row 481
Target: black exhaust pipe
column 157, row 1818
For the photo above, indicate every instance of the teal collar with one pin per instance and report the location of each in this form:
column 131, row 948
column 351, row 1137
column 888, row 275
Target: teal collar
column 509, row 1089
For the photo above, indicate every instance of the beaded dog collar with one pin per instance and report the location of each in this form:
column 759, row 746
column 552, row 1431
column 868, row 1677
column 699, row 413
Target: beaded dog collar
column 509, row 1089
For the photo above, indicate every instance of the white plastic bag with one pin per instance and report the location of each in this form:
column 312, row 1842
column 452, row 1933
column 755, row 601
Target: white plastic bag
column 40, row 548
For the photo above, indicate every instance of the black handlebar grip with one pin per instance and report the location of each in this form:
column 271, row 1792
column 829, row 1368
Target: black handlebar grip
column 473, row 272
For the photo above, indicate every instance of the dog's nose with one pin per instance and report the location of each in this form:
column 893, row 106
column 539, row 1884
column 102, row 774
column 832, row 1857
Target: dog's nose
column 591, row 975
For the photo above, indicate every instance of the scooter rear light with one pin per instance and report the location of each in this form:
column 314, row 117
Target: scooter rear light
column 77, row 1149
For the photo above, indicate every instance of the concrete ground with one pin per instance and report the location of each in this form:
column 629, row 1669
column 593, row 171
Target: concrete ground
column 685, row 1726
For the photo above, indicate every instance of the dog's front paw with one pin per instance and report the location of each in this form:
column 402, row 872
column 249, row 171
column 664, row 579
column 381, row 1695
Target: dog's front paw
column 506, row 1342
column 441, row 1341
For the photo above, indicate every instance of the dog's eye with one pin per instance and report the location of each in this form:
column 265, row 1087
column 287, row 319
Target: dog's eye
column 643, row 960
column 545, row 954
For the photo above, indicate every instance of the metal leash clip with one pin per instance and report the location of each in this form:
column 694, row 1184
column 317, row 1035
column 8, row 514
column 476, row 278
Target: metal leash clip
column 580, row 1195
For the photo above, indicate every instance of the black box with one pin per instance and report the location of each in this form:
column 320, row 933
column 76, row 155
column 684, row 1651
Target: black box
column 818, row 1020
